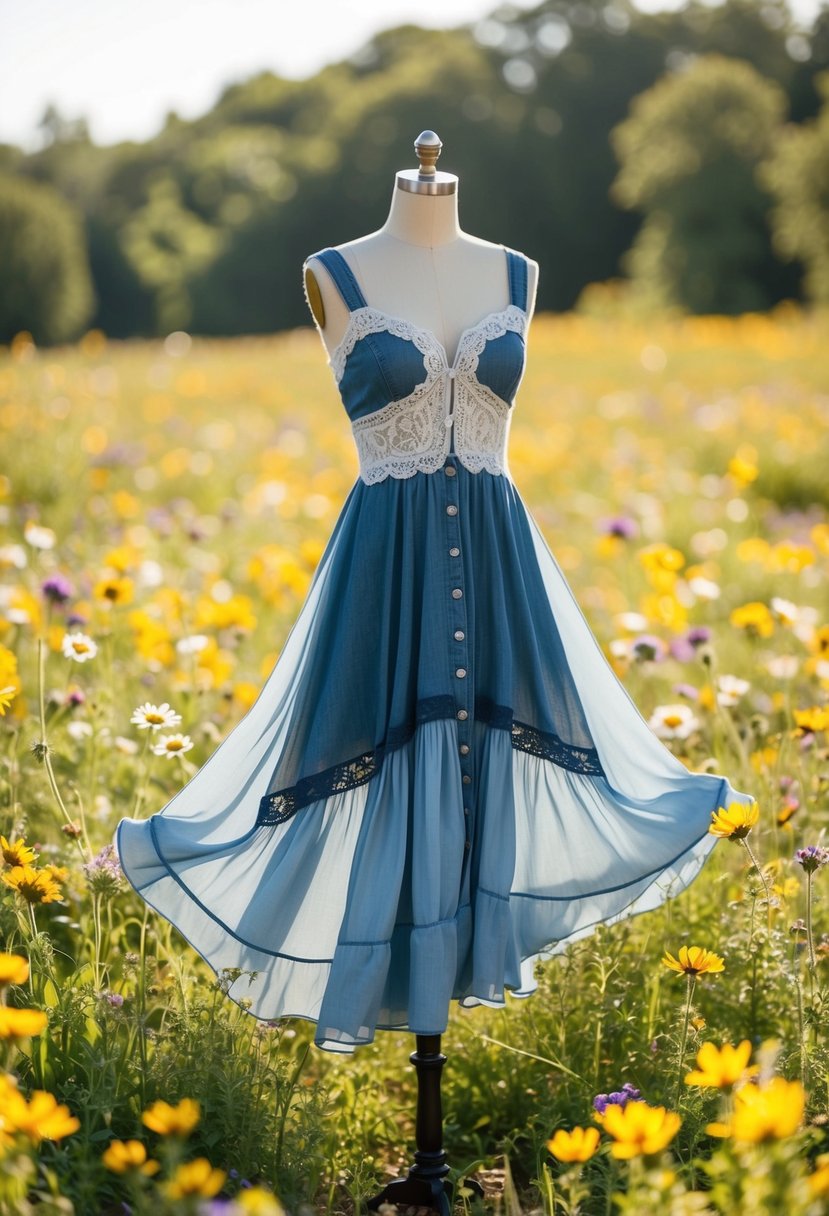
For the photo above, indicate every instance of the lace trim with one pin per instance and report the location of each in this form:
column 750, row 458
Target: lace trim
column 277, row 807
column 365, row 321
column 410, row 435
column 404, row 437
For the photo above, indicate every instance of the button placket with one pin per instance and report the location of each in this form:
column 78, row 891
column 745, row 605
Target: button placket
column 459, row 635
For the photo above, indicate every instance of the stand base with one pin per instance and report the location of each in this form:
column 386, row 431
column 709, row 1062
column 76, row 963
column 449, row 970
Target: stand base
column 420, row 1191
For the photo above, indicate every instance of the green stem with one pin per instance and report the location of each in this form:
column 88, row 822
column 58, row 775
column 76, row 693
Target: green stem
column 41, row 664
column 809, row 938
column 683, row 1043
column 763, row 880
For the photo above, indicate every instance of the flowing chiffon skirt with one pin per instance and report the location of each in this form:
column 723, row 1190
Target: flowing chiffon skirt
column 406, row 817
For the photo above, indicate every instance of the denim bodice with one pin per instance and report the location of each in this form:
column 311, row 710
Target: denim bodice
column 408, row 406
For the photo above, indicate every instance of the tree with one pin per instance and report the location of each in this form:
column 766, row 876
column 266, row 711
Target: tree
column 46, row 287
column 690, row 151
column 797, row 174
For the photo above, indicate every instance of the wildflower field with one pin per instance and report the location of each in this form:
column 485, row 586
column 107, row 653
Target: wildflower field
column 163, row 506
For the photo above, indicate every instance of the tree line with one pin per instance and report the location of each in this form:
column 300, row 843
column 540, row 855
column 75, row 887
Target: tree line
column 685, row 154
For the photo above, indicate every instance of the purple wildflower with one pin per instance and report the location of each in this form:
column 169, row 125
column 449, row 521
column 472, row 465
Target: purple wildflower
column 681, row 649
column 113, row 998
column 57, row 589
column 648, row 648
column 698, row 635
column 103, row 872
column 812, row 857
column 687, row 690
column 619, row 1097
column 620, row 525
column 75, row 696
column 76, row 618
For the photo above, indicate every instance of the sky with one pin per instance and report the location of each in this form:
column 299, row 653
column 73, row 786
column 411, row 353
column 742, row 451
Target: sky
column 123, row 66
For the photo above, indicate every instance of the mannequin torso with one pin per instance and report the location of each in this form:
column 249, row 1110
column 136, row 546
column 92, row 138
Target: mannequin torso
column 422, row 268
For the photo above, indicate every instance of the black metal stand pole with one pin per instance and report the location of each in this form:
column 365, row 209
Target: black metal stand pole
column 426, row 1185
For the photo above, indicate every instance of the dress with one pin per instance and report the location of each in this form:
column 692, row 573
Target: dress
column 442, row 780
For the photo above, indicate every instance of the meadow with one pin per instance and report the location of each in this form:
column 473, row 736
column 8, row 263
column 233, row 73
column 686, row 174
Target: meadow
column 163, row 506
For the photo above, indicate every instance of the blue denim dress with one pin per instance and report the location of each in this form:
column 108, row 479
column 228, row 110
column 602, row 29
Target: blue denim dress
column 442, row 781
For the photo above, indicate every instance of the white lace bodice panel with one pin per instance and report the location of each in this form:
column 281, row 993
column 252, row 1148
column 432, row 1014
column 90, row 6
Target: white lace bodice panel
column 415, row 434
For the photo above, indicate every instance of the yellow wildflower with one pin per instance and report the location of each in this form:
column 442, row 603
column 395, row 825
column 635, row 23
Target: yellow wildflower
column 42, row 1118
column 694, row 960
column 577, row 1145
column 639, row 1129
column 718, row 1068
column 789, row 556
column 734, row 822
column 170, row 1120
column 256, row 1201
column 117, row 590
column 812, row 720
column 36, row 886
column 195, row 1178
column 58, row 873
column 20, row 1023
column 764, row 1112
column 819, row 1180
column 753, row 549
column 742, row 470
column 14, row 969
column 122, row 1156
column 17, row 854
column 755, row 618
column 7, row 695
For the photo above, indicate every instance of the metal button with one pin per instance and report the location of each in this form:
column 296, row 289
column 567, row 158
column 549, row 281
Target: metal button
column 450, row 470
column 466, row 810
column 463, row 715
column 467, row 845
column 454, row 551
column 451, row 509
column 460, row 673
column 456, row 593
column 467, row 780
column 459, row 635
column 464, row 749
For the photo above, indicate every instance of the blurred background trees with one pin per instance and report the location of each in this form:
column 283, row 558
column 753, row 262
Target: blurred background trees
column 684, row 154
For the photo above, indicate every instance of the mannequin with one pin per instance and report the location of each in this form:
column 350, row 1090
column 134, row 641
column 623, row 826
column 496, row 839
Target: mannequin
column 421, row 267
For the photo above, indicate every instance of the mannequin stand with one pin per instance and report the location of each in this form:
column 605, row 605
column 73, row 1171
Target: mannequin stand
column 426, row 1185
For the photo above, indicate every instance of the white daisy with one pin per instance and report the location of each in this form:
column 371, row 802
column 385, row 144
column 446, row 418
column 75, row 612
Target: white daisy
column 785, row 611
column 78, row 646
column 633, row 622
column 192, row 644
column 703, row 588
column 153, row 717
column 782, row 666
column 37, row 536
column 673, row 721
column 731, row 688
column 172, row 745
column 79, row 729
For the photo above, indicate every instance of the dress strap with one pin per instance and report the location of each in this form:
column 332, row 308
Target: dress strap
column 517, row 264
column 343, row 277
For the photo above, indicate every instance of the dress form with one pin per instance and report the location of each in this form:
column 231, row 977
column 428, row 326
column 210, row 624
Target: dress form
column 419, row 266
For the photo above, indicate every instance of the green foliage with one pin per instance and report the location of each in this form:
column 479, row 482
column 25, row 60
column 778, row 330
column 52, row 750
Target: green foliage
column 207, row 225
column 690, row 151
column 45, row 287
column 798, row 177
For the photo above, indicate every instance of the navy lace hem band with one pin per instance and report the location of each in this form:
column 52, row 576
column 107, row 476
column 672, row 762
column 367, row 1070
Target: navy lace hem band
column 276, row 807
